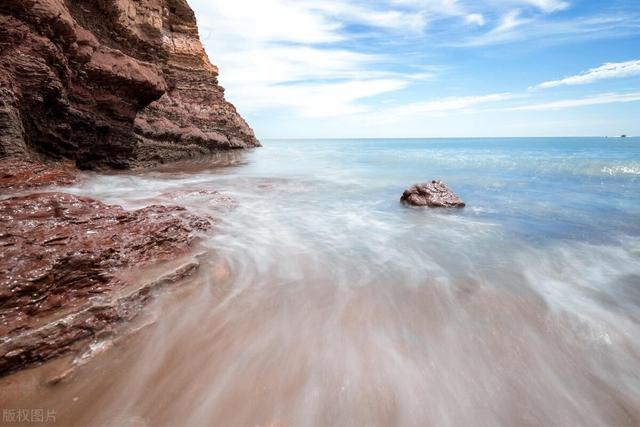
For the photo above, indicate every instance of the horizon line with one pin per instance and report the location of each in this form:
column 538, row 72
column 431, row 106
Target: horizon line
column 452, row 137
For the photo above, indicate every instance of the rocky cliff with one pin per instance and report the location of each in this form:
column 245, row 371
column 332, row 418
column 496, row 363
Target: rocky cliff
column 110, row 83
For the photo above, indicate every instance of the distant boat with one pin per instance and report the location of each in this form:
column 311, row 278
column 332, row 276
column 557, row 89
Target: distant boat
column 623, row 136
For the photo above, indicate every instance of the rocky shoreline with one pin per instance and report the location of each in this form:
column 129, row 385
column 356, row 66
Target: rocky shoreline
column 64, row 264
column 114, row 84
column 21, row 174
column 110, row 84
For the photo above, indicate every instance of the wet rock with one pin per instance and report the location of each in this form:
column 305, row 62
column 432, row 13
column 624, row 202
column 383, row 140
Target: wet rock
column 61, row 261
column 434, row 194
column 111, row 83
column 20, row 174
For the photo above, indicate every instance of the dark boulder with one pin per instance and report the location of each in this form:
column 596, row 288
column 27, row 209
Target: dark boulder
column 434, row 194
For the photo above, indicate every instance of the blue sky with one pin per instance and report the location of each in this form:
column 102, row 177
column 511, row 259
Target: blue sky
column 428, row 68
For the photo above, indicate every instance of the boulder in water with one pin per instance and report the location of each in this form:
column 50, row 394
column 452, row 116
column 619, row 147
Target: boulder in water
column 434, row 194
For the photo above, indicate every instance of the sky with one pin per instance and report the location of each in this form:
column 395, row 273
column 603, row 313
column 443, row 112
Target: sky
column 427, row 68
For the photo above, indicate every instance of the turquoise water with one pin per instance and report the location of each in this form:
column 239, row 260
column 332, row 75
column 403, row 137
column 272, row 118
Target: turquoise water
column 538, row 188
column 337, row 305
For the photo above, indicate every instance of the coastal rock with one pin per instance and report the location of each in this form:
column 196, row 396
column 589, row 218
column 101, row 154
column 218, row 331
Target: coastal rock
column 97, row 84
column 111, row 83
column 61, row 266
column 19, row 174
column 434, row 194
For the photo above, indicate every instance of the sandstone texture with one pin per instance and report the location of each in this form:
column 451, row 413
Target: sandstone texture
column 61, row 269
column 110, row 84
column 21, row 174
column 434, row 194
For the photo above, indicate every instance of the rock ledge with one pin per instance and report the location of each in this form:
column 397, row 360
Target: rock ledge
column 62, row 269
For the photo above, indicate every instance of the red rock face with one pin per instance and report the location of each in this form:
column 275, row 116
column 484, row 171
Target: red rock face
column 20, row 174
column 61, row 257
column 434, row 194
column 110, row 83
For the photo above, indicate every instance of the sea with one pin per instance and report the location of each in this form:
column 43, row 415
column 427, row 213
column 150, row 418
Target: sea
column 322, row 300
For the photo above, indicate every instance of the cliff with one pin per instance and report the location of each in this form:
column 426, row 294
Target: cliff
column 110, row 83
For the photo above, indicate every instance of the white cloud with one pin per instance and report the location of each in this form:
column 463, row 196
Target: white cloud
column 510, row 20
column 440, row 107
column 309, row 80
column 444, row 107
column 515, row 27
column 267, row 65
column 505, row 30
column 600, row 99
column 319, row 99
column 265, row 20
column 549, row 6
column 284, row 54
column 475, row 18
column 449, row 104
column 306, row 56
column 430, row 10
column 387, row 18
column 610, row 70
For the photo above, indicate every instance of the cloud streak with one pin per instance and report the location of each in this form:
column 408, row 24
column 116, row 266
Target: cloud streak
column 447, row 105
column 516, row 27
column 611, row 70
column 479, row 104
column 600, row 99
column 301, row 56
column 549, row 6
column 328, row 58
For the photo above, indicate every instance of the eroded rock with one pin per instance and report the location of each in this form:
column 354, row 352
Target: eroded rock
column 434, row 194
column 20, row 174
column 112, row 83
column 60, row 268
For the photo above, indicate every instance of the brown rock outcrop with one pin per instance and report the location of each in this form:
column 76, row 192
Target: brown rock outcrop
column 97, row 84
column 20, row 174
column 434, row 194
column 110, row 83
column 61, row 269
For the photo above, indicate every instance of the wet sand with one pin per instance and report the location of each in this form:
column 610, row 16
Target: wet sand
column 321, row 301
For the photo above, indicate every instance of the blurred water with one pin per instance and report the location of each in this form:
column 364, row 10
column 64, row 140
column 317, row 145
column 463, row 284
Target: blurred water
column 335, row 305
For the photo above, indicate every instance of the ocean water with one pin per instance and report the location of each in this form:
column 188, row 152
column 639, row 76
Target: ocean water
column 323, row 301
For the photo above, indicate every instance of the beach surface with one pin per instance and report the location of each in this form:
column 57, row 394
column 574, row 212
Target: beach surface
column 322, row 300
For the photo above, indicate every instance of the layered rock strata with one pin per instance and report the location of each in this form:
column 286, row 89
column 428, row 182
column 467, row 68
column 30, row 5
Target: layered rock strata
column 96, row 84
column 62, row 268
column 110, row 83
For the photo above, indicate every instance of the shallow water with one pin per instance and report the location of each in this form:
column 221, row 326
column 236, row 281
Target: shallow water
column 323, row 301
